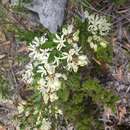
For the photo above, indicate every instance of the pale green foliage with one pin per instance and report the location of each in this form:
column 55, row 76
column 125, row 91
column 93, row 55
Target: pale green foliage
column 4, row 88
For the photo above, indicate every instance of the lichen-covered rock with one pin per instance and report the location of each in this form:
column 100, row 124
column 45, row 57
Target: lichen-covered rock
column 50, row 12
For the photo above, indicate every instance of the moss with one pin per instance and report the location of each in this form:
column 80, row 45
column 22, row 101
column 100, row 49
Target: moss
column 4, row 88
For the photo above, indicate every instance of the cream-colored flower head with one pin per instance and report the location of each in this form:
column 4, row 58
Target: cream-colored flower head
column 46, row 124
column 60, row 40
column 97, row 24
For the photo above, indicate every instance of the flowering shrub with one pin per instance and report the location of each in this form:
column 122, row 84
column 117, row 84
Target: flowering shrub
column 64, row 56
column 54, row 74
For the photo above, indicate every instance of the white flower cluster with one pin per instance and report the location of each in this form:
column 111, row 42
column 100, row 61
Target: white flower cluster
column 74, row 59
column 97, row 24
column 49, row 81
column 46, row 125
column 70, row 56
column 95, row 41
column 28, row 75
column 73, row 56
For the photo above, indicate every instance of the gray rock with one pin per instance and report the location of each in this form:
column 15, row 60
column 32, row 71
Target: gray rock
column 50, row 12
column 14, row 2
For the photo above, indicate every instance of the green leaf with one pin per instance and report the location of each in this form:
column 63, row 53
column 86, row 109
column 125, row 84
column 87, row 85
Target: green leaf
column 74, row 81
column 100, row 94
column 104, row 54
column 63, row 93
column 78, row 98
column 120, row 2
column 4, row 88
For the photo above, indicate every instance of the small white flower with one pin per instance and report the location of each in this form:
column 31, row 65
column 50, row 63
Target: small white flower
column 50, row 68
column 103, row 44
column 45, row 51
column 56, row 84
column 82, row 60
column 77, row 49
column 56, row 61
column 68, row 30
column 58, row 111
column 64, row 31
column 93, row 23
column 68, row 56
column 90, row 38
column 76, row 36
column 34, row 52
column 43, row 39
column 43, row 56
column 39, row 41
column 42, row 71
column 43, row 87
column 53, row 97
column 104, row 26
column 74, row 51
column 53, row 84
column 93, row 46
column 60, row 41
column 36, row 41
column 86, row 14
column 27, row 113
column 45, row 97
column 70, row 41
column 42, row 83
column 20, row 109
column 72, row 66
column 29, row 66
column 27, row 77
column 96, row 38
column 28, row 74
column 46, row 124
column 53, row 81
